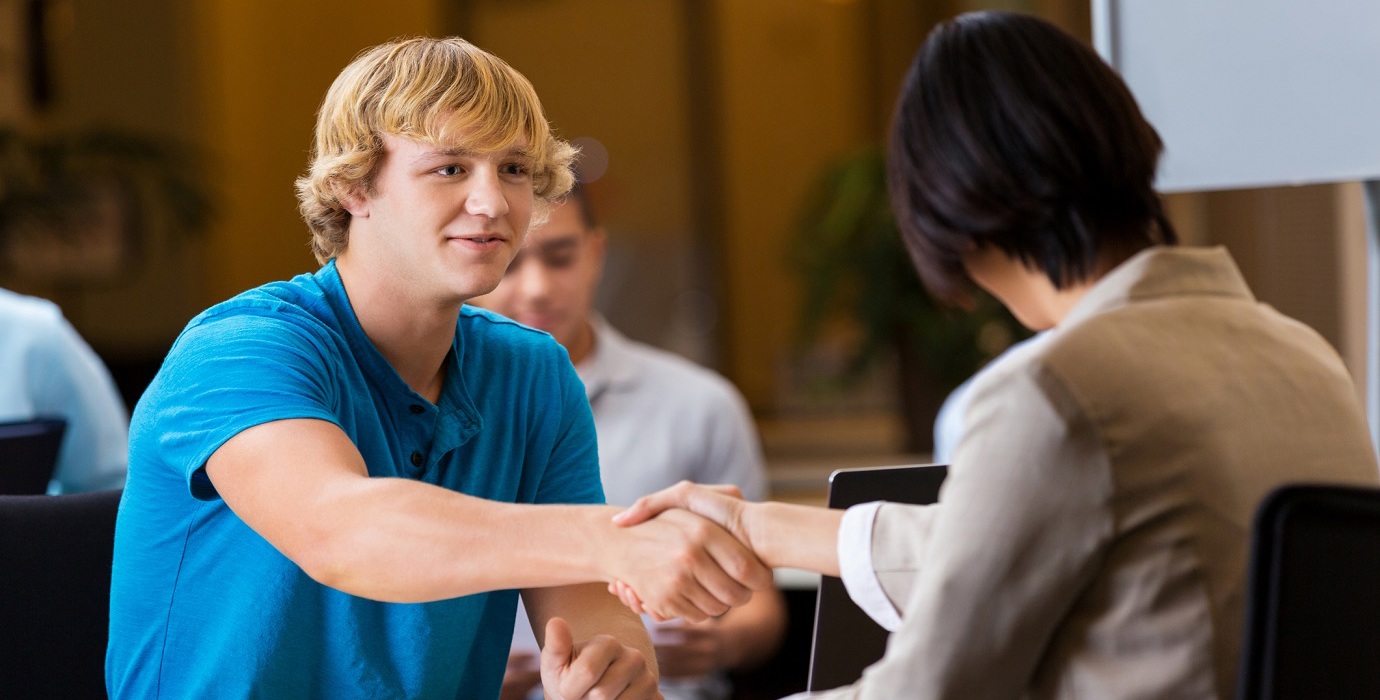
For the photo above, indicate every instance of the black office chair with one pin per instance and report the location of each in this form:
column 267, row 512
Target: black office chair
column 1313, row 604
column 55, row 554
column 29, row 454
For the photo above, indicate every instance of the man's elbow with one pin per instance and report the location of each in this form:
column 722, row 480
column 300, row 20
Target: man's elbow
column 329, row 559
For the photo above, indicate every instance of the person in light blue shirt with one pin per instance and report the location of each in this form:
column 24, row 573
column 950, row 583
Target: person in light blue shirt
column 340, row 484
column 47, row 370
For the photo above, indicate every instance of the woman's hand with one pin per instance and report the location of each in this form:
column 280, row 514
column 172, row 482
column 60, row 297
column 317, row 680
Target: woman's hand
column 721, row 503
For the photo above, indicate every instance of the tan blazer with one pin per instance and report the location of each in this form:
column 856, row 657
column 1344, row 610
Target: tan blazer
column 1092, row 538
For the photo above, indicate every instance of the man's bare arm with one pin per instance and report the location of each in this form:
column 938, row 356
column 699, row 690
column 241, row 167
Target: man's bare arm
column 303, row 486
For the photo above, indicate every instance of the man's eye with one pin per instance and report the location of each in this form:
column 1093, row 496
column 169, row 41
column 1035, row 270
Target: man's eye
column 559, row 260
column 515, row 169
column 449, row 170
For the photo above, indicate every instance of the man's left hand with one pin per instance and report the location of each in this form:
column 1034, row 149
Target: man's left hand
column 572, row 671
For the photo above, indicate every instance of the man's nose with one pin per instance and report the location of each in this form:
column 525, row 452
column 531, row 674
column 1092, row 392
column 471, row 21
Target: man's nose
column 533, row 281
column 486, row 196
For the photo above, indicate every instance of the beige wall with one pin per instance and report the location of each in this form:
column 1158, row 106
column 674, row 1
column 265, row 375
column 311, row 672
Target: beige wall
column 267, row 65
column 792, row 99
column 613, row 70
column 1353, row 296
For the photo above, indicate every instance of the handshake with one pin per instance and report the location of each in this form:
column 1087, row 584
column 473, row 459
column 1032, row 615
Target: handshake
column 691, row 552
column 700, row 550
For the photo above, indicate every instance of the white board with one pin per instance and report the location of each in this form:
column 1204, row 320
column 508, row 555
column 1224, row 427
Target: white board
column 1251, row 93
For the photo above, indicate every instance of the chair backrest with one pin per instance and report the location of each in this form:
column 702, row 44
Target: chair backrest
column 846, row 640
column 28, row 454
column 1312, row 623
column 55, row 556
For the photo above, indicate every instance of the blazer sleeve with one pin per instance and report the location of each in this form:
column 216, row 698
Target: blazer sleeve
column 990, row 572
column 900, row 539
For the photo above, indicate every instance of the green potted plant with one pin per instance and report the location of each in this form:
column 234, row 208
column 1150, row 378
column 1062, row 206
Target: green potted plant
column 80, row 208
column 851, row 261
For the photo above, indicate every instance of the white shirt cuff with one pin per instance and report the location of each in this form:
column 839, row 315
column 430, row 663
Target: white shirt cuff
column 855, row 565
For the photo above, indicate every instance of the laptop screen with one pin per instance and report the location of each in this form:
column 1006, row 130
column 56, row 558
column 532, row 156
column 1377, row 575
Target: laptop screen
column 846, row 640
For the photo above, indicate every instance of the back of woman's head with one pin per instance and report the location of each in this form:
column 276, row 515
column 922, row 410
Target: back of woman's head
column 1010, row 133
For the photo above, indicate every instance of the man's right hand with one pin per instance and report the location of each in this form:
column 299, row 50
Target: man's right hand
column 682, row 565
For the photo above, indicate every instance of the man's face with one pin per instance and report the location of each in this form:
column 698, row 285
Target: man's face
column 552, row 281
column 445, row 218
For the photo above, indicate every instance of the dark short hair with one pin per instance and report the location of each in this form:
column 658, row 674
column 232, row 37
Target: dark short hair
column 1011, row 133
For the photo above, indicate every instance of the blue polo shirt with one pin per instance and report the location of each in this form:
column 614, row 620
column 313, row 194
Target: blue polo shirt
column 202, row 606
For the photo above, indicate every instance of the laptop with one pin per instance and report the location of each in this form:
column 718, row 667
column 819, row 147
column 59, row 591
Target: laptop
column 846, row 640
column 29, row 454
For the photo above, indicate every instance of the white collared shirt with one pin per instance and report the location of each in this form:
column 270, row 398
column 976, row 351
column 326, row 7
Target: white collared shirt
column 661, row 418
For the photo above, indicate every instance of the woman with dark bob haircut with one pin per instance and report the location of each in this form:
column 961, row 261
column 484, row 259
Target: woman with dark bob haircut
column 1091, row 539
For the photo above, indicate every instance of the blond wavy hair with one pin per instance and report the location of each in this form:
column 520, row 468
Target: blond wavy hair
column 431, row 90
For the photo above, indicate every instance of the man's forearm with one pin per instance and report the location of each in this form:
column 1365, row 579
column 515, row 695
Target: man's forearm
column 303, row 486
column 404, row 541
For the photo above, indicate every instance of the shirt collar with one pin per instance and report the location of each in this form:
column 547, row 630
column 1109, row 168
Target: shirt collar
column 610, row 363
column 458, row 418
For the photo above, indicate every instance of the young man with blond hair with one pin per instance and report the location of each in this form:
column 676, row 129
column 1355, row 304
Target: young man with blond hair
column 336, row 481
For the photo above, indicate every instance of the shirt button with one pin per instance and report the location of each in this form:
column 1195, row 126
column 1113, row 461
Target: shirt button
column 416, row 408
column 417, row 459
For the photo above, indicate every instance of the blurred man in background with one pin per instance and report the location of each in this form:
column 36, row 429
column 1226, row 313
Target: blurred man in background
column 659, row 419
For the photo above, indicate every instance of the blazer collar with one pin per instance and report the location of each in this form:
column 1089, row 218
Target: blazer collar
column 1163, row 271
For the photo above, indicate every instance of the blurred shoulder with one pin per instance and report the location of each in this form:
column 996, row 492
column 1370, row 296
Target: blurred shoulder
column 666, row 371
column 21, row 310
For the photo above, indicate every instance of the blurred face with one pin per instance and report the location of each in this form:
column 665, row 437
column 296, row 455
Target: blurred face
column 441, row 221
column 551, row 283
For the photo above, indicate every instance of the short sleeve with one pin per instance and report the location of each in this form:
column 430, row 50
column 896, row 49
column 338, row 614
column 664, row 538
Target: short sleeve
column 232, row 372
column 572, row 472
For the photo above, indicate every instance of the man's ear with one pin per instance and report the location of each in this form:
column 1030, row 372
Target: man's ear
column 598, row 247
column 353, row 200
